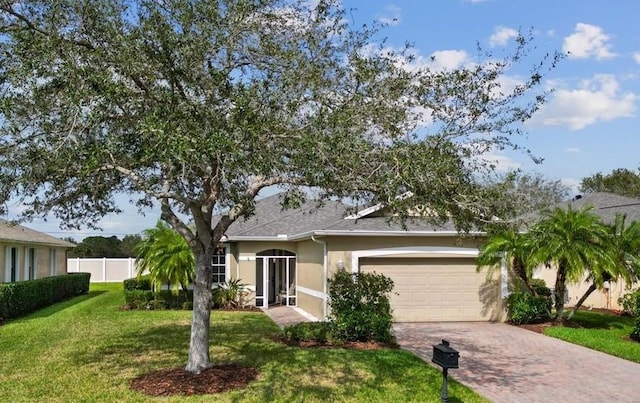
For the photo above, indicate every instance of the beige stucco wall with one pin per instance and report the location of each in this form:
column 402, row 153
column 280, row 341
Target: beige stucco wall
column 243, row 264
column 600, row 298
column 340, row 248
column 42, row 256
column 310, row 263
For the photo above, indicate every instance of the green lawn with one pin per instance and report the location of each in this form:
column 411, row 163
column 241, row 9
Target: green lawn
column 86, row 349
column 602, row 332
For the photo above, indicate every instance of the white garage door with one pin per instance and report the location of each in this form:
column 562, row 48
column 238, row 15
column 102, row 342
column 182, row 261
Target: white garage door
column 436, row 289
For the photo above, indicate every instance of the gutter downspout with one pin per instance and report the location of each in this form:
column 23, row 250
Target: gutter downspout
column 325, row 272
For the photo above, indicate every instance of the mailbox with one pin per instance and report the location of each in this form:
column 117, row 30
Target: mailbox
column 445, row 356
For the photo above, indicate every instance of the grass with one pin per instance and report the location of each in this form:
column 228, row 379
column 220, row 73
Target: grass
column 86, row 349
column 602, row 332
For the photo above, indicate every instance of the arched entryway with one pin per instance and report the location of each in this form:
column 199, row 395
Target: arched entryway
column 275, row 278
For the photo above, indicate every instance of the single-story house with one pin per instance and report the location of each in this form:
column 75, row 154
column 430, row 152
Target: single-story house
column 606, row 206
column 286, row 256
column 28, row 254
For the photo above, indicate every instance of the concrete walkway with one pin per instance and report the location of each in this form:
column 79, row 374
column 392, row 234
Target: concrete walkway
column 508, row 364
column 285, row 315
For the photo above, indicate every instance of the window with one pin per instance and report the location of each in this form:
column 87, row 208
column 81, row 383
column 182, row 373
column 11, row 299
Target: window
column 218, row 265
column 52, row 262
column 11, row 264
column 30, row 263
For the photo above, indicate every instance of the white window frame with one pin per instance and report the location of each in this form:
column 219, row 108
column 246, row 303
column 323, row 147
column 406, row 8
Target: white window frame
column 52, row 261
column 227, row 266
column 28, row 262
column 7, row 263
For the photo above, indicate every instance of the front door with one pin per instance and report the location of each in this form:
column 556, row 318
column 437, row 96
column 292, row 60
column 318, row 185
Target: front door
column 275, row 278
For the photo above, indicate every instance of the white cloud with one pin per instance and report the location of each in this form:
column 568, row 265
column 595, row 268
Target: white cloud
column 588, row 41
column 448, row 59
column 502, row 35
column 573, row 150
column 636, row 57
column 502, row 162
column 597, row 99
column 392, row 17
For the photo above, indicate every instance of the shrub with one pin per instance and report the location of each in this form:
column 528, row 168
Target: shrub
column 308, row 331
column 138, row 299
column 228, row 295
column 137, row 283
column 539, row 286
column 360, row 309
column 23, row 297
column 628, row 302
column 635, row 333
column 523, row 308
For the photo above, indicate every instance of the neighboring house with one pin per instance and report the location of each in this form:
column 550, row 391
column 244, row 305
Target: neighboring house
column 606, row 206
column 286, row 257
column 28, row 254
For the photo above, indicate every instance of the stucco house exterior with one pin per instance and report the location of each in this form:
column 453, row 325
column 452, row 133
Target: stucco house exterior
column 27, row 254
column 606, row 206
column 286, row 257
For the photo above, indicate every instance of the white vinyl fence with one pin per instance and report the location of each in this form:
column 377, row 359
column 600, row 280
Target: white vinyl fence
column 104, row 270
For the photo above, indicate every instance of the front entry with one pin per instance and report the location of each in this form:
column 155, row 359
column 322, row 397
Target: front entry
column 275, row 278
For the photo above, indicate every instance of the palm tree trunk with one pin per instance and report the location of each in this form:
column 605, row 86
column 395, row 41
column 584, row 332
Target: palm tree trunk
column 558, row 292
column 584, row 297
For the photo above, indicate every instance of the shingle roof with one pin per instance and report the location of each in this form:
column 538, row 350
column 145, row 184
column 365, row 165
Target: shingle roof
column 271, row 220
column 606, row 205
column 22, row 234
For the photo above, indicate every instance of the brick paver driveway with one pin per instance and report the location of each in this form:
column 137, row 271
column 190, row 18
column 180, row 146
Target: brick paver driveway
column 508, row 364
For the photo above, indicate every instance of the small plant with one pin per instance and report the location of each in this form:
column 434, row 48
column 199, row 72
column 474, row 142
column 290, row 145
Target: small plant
column 308, row 331
column 635, row 333
column 524, row 308
column 228, row 295
column 628, row 302
column 360, row 309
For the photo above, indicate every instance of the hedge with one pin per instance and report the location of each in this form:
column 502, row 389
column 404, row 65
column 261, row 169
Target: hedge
column 23, row 297
column 138, row 294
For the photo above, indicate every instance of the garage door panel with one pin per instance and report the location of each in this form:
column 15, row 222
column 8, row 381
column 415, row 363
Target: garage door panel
column 432, row 289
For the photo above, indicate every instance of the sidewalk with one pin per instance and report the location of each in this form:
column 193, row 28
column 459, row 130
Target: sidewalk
column 284, row 315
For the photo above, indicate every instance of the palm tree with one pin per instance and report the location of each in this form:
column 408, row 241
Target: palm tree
column 625, row 245
column 575, row 241
column 166, row 256
column 515, row 248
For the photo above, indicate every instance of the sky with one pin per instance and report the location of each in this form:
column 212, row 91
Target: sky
column 589, row 123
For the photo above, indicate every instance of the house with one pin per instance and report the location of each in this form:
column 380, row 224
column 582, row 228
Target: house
column 28, row 254
column 287, row 256
column 606, row 206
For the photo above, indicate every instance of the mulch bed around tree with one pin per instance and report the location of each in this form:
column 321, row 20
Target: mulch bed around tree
column 177, row 381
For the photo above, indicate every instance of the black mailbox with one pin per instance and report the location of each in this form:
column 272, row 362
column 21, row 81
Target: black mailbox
column 445, row 356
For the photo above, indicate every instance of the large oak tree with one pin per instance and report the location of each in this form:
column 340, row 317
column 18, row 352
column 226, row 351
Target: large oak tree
column 198, row 105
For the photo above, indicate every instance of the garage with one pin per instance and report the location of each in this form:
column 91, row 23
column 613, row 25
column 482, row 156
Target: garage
column 436, row 289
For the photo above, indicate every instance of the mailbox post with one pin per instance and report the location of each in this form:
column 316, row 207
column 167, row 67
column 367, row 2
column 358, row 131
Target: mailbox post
column 446, row 357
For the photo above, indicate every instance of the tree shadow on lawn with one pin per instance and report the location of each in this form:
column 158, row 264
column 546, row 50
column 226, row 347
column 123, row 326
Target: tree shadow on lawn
column 596, row 320
column 285, row 372
column 57, row 307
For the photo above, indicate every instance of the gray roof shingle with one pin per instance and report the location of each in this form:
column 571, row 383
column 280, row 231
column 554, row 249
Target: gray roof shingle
column 22, row 234
column 271, row 220
column 606, row 205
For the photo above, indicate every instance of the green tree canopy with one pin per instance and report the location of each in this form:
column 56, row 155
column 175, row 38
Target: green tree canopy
column 198, row 105
column 621, row 181
column 519, row 193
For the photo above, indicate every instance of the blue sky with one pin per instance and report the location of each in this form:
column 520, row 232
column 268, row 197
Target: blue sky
column 590, row 122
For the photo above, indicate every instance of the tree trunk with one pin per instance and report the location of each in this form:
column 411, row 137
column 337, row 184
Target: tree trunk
column 199, row 343
column 559, row 291
column 584, row 297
